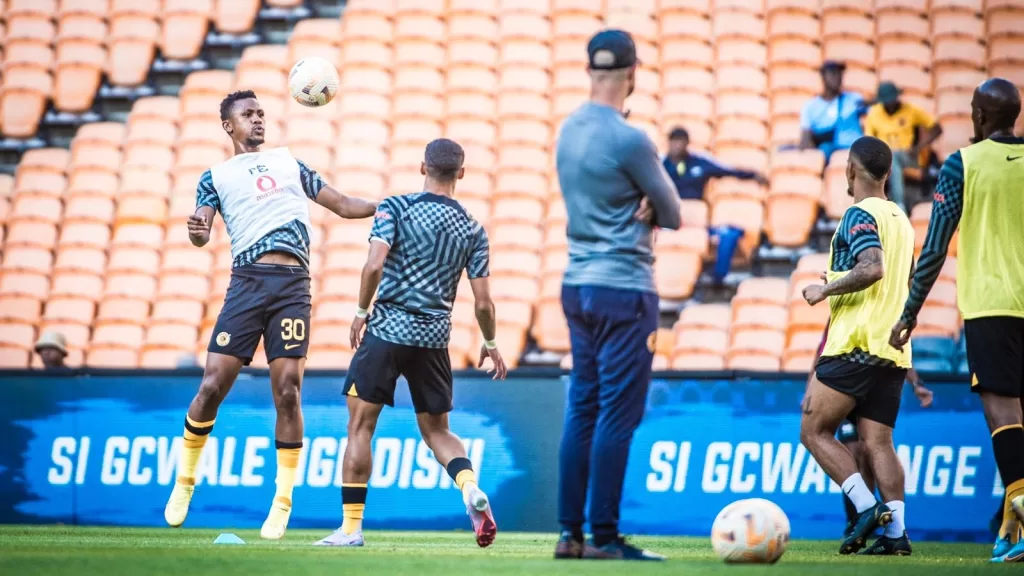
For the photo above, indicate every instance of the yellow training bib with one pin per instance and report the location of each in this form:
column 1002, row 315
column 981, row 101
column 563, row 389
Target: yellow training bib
column 863, row 320
column 990, row 257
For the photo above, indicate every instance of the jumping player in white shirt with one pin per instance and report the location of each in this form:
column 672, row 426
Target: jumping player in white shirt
column 262, row 196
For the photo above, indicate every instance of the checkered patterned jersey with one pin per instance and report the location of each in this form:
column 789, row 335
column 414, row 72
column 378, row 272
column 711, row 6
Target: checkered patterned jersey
column 432, row 239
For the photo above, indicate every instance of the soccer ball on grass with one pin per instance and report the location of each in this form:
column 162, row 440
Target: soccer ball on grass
column 753, row 531
column 313, row 81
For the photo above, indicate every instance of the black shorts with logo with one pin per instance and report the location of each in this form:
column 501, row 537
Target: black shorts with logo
column 269, row 301
column 877, row 389
column 377, row 364
column 995, row 354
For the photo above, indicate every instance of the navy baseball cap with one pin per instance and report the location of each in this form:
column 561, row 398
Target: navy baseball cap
column 611, row 50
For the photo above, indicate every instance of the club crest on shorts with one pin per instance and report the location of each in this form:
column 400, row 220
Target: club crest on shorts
column 652, row 340
column 223, row 339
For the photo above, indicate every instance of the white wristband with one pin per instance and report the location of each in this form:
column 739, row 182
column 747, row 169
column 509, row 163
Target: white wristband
column 361, row 312
column 490, row 344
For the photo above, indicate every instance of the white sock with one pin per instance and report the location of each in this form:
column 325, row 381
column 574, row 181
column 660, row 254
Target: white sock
column 857, row 490
column 898, row 526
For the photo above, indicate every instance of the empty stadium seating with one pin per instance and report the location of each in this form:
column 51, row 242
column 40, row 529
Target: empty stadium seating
column 93, row 240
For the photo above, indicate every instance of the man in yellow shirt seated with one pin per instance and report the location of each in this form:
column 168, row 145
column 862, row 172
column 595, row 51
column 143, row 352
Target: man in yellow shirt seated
column 907, row 129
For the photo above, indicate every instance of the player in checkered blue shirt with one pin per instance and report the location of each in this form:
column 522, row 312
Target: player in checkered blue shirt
column 419, row 246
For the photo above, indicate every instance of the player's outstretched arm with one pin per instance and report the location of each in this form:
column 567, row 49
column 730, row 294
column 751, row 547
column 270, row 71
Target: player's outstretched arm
column 486, row 318
column 345, row 206
column 199, row 225
column 368, row 283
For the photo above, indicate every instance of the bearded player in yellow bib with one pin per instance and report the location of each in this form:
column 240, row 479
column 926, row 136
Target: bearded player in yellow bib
column 859, row 376
column 981, row 190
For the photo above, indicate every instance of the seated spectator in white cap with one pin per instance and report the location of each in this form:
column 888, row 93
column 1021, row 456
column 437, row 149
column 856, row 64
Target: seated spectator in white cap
column 52, row 349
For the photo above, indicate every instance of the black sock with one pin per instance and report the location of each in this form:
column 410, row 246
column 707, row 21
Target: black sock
column 1008, row 445
column 851, row 510
column 575, row 530
column 456, row 465
column 605, row 535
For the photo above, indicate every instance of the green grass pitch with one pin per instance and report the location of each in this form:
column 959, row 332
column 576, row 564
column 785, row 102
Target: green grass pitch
column 67, row 551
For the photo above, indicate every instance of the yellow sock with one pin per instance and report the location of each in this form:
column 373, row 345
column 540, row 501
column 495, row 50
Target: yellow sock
column 353, row 503
column 287, row 462
column 465, row 480
column 196, row 434
column 353, row 521
column 1011, row 524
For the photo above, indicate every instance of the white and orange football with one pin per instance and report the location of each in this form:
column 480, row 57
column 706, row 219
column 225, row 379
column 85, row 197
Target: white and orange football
column 313, row 81
column 753, row 531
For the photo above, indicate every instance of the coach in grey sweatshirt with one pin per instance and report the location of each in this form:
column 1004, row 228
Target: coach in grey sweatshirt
column 615, row 189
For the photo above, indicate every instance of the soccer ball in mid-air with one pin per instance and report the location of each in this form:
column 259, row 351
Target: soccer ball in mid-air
column 753, row 531
column 313, row 81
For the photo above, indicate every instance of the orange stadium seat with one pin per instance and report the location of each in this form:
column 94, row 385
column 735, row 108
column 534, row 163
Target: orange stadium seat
column 25, row 309
column 185, row 23
column 316, row 37
column 130, row 286
column 550, row 328
column 697, row 361
column 713, row 316
column 701, row 340
column 35, row 207
column 29, row 284
column 756, row 350
column 77, row 284
column 70, row 309
column 91, row 260
column 28, row 259
column 911, row 6
column 28, row 53
column 94, row 156
column 235, row 17
column 26, row 89
column 17, row 334
column 959, row 51
column 761, row 291
column 14, row 357
column 31, row 233
column 42, row 181
column 910, row 24
column 45, row 159
column 132, row 46
column 110, row 357
column 134, row 259
column 128, row 310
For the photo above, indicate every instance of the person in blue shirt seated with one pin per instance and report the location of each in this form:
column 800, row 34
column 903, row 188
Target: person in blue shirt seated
column 691, row 172
column 831, row 121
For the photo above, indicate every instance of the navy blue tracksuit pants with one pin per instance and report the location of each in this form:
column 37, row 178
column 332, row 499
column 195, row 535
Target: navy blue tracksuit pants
column 612, row 333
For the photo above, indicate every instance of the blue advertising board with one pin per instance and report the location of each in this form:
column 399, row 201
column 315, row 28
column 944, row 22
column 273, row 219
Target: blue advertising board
column 102, row 449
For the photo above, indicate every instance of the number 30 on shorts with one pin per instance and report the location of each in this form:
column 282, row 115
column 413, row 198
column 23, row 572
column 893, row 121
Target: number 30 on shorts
column 293, row 329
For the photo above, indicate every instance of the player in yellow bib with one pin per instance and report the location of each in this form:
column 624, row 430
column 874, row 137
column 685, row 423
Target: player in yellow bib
column 859, row 376
column 981, row 190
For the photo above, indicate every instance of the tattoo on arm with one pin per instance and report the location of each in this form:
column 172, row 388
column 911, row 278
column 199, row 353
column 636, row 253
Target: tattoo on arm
column 866, row 272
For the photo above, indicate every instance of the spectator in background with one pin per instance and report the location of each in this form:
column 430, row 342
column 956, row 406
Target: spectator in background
column 907, row 129
column 691, row 172
column 831, row 121
column 52, row 349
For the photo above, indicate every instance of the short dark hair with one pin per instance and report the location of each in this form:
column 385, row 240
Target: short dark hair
column 230, row 99
column 873, row 154
column 677, row 133
column 444, row 159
